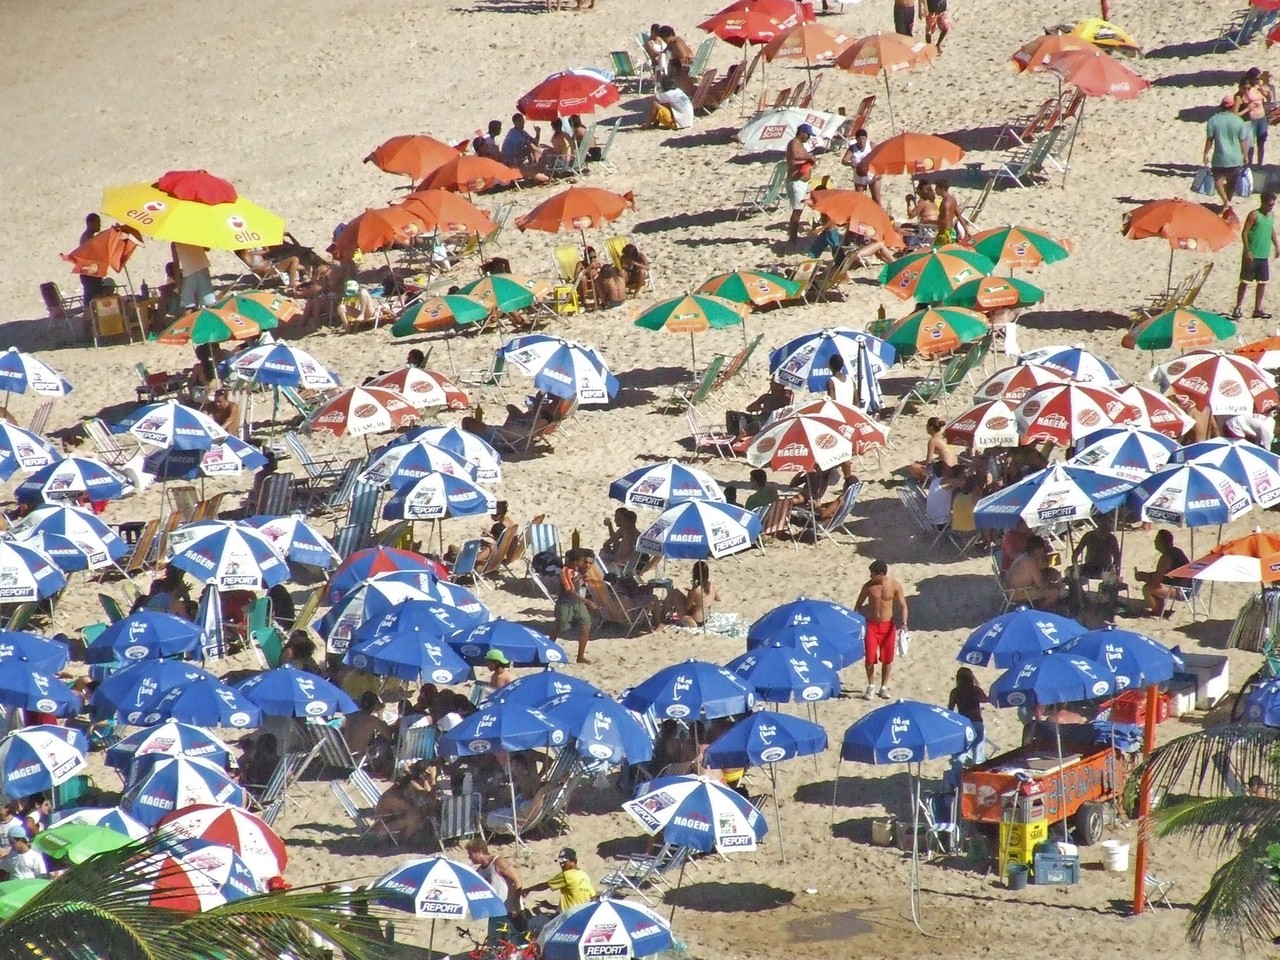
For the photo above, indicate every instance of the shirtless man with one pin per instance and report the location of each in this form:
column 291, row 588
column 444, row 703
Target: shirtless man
column 1030, row 578
column 799, row 169
column 950, row 219
column 856, row 157
column 224, row 411
column 876, row 602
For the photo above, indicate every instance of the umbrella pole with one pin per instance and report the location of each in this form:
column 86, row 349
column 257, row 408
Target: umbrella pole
column 1168, row 284
column 1070, row 147
column 777, row 814
column 693, row 349
column 835, row 790
column 679, row 884
column 515, row 813
column 914, row 895
column 888, row 95
column 431, row 940
column 1144, row 802
column 1062, row 786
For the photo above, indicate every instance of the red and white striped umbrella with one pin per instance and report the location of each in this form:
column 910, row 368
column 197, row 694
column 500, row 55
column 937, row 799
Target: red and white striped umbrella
column 258, row 845
column 1225, row 384
column 1159, row 413
column 362, row 410
column 1062, row 413
column 424, row 388
column 1012, row 384
column 802, row 443
column 989, row 424
column 869, row 435
column 194, row 876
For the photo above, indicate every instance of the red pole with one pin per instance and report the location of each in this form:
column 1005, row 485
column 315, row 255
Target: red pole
column 1144, row 802
column 1106, row 10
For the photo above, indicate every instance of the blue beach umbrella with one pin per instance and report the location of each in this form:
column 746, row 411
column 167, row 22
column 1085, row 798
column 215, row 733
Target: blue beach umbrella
column 523, row 646
column 1074, row 363
column 438, row 496
column 426, row 619
column 27, row 688
column 145, row 635
column 364, row 565
column 294, row 538
column 1012, row 637
column 535, row 689
column 663, row 485
column 600, row 727
column 779, row 674
column 562, row 368
column 170, row 739
column 471, row 448
column 806, row 360
column 438, row 889
column 173, row 426
column 700, row 530
column 224, row 459
column 1052, row 678
column 1255, row 469
column 1129, row 452
column 74, row 538
column 1262, row 704
column 764, row 738
column 283, row 365
column 1058, row 493
column 627, row 929
column 205, row 703
column 403, row 464
column 41, row 653
column 233, row 556
column 40, row 757
column 1134, row 658
column 27, row 573
column 70, row 480
column 836, row 625
column 693, row 690
column 698, row 812
column 128, row 690
column 289, row 692
column 906, row 732
column 23, row 450
column 829, row 649
column 213, row 630
column 386, row 593
column 113, row 818
column 407, row 653
column 21, row 372
column 1189, row 495
column 176, row 782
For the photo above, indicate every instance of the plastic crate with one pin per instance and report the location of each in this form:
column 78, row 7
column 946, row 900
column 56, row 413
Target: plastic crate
column 1056, row 869
column 1131, row 707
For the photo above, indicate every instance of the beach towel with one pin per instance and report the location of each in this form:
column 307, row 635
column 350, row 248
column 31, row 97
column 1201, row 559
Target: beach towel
column 721, row 624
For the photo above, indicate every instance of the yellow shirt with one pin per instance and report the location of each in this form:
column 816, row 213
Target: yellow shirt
column 574, row 886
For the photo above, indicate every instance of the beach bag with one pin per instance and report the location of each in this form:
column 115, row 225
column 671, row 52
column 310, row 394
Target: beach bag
column 548, row 563
column 1202, row 182
column 1244, row 183
column 904, row 642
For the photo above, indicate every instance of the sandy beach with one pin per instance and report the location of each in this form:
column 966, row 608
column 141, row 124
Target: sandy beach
column 286, row 100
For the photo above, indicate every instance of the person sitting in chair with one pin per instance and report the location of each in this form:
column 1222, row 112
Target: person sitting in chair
column 636, row 267
column 356, row 308
column 1157, row 585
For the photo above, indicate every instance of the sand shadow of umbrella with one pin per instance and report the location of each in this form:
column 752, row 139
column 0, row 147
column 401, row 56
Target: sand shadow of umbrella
column 711, row 897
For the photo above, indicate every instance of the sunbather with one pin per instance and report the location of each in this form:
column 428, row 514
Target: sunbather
column 937, row 448
column 356, row 308
column 1157, row 586
column 619, row 547
column 265, row 266
column 562, row 147
column 692, row 609
column 611, row 288
column 587, row 275
column 224, row 411
column 636, row 267
column 656, row 49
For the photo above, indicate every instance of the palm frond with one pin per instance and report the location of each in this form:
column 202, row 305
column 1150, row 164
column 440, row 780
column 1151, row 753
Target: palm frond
column 1219, row 822
column 1211, row 762
column 1243, row 898
column 101, row 908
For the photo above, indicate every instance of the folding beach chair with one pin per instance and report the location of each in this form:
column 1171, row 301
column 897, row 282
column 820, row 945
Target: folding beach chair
column 541, row 538
column 763, row 199
column 645, row 870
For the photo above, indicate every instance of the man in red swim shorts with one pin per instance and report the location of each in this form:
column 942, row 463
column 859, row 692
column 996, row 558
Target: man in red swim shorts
column 879, row 596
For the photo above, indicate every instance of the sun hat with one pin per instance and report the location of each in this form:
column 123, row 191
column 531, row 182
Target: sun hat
column 18, row 832
column 353, row 288
column 498, row 657
column 804, row 130
column 566, row 853
column 1227, row 102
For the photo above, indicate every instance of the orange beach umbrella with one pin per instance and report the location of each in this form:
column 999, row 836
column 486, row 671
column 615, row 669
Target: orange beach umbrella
column 440, row 211
column 1033, row 57
column 413, row 155
column 859, row 213
column 811, row 42
column 576, row 208
column 376, row 229
column 913, row 153
column 1184, row 224
column 885, row 53
column 108, row 250
column 468, row 173
column 1098, row 75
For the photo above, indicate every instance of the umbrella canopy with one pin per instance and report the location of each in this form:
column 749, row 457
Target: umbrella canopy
column 24, row 686
column 1223, row 383
column 700, row 530
column 1019, row 247
column 408, row 644
column 699, row 813
column 906, row 732
column 212, row 324
column 806, row 360
column 442, row 212
column 694, row 313
column 501, row 726
column 625, row 929
column 438, row 496
column 750, row 286
column 1261, row 705
column 151, row 691
column 234, row 556
column 787, row 12
column 663, row 485
column 506, row 292
column 566, row 93
column 1034, row 56
column 1134, row 658
column 468, row 173
column 1183, row 224
column 77, row 842
column 913, row 153
column 38, row 758
column 27, row 574
column 859, row 213
column 930, row 276
column 1181, row 329
column 387, row 592
column 986, row 294
column 106, row 251
column 402, row 464
column 780, row 674
column 430, row 314
column 535, row 689
column 1063, row 413
column 1253, row 558
column 1005, row 641
column 1097, row 75
column 71, row 481
column 424, row 388
column 172, row 783
column 296, row 540
column 360, row 410
column 249, row 836
column 802, row 443
column 366, row 565
column 207, row 216
column 522, row 645
column 868, row 435
column 283, row 365
column 128, row 688
column 577, row 208
column 1189, row 495
column 884, row 53
column 471, row 448
column 193, row 876
column 562, row 368
column 1265, row 353
column 288, row 692
column 693, row 690
column 412, row 155
column 741, row 28
column 600, row 728
column 265, row 308
column 936, row 330
column 1075, row 363
column 21, row 373
column 376, row 229
column 441, row 889
column 1052, row 678
column 1012, row 384
column 772, row 129
column 43, row 653
column 1254, row 468
column 23, row 450
column 74, row 538
column 170, row 739
column 1158, row 412
column 1129, row 452
column 15, row 893
column 145, row 635
column 172, row 426
column 1055, row 494
column 113, row 818
column 837, row 625
column 810, row 42
column 224, row 459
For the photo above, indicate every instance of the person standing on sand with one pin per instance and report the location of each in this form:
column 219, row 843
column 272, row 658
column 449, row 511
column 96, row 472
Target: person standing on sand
column 904, row 17
column 91, row 286
column 879, row 596
column 950, row 219
column 1225, row 144
column 799, row 169
column 935, row 19
column 1258, row 244
column 572, row 608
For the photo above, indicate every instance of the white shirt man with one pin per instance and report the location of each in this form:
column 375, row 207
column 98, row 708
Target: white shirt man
column 23, row 863
column 681, row 107
column 937, row 502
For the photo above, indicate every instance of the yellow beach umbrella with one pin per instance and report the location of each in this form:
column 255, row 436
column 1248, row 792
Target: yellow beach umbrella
column 185, row 207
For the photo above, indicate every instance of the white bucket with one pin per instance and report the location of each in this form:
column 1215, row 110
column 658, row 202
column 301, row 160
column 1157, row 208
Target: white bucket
column 882, row 832
column 1115, row 856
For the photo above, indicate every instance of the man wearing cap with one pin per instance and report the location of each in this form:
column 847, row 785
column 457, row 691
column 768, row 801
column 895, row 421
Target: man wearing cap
column 356, row 306
column 572, row 883
column 1225, row 145
column 22, row 863
column 499, row 669
column 799, row 170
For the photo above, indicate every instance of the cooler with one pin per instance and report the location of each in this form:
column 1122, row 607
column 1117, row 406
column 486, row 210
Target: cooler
column 1209, row 672
column 1056, row 868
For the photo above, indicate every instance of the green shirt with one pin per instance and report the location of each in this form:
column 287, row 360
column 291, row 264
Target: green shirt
column 1258, row 240
column 761, row 498
column 1226, row 130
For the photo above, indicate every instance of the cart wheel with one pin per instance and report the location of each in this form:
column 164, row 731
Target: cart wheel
column 1089, row 822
